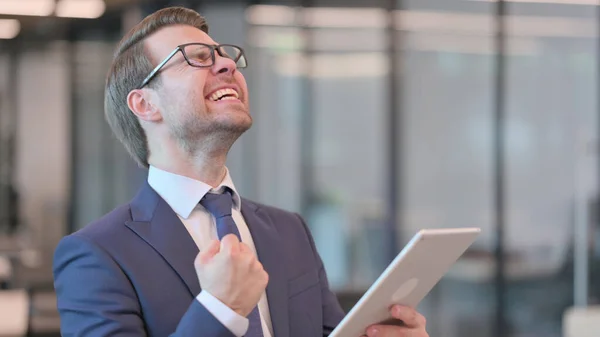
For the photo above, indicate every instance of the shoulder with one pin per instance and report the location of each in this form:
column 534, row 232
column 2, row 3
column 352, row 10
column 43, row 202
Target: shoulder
column 106, row 226
column 102, row 244
column 100, row 235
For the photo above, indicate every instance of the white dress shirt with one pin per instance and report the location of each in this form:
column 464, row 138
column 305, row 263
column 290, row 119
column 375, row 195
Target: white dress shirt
column 183, row 195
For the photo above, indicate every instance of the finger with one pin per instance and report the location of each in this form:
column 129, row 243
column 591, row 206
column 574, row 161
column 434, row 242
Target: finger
column 209, row 252
column 389, row 331
column 409, row 316
column 230, row 244
column 257, row 266
column 248, row 255
column 245, row 249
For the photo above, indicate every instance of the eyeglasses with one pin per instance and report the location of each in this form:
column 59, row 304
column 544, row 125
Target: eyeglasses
column 201, row 55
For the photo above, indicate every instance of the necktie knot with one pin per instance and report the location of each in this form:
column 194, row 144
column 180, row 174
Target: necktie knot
column 219, row 205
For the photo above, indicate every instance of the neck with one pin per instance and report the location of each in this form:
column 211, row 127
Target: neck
column 205, row 166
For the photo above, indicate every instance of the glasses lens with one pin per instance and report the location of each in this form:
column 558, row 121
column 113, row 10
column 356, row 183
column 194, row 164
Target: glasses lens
column 234, row 53
column 198, row 55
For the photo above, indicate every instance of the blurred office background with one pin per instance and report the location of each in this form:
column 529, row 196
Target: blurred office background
column 373, row 119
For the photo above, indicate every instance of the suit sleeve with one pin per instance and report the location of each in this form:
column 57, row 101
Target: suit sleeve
column 332, row 311
column 96, row 298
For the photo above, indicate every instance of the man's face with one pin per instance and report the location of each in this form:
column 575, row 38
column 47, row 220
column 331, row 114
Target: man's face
column 188, row 97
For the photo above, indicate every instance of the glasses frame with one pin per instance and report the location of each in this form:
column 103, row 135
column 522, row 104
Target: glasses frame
column 181, row 48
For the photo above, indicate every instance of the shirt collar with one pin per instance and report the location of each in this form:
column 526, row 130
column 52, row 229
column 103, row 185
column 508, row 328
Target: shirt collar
column 183, row 193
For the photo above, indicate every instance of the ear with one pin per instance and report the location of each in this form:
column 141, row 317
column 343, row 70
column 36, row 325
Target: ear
column 140, row 103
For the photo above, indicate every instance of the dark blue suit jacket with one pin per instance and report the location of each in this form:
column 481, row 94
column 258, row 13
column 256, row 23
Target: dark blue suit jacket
column 131, row 273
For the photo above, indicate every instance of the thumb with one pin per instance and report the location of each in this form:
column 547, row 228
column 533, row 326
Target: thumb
column 230, row 244
column 209, row 252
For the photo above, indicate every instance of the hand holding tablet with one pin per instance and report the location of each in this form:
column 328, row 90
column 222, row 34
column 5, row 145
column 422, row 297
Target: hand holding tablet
column 408, row 279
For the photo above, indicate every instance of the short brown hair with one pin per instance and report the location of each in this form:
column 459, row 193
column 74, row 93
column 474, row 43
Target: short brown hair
column 129, row 67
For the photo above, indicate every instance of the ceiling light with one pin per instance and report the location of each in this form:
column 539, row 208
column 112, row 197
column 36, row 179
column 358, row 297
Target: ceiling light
column 9, row 28
column 27, row 7
column 331, row 17
column 562, row 2
column 333, row 65
column 431, row 21
column 345, row 17
column 87, row 9
column 271, row 15
column 480, row 24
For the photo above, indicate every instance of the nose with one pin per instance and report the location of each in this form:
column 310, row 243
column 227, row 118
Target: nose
column 223, row 65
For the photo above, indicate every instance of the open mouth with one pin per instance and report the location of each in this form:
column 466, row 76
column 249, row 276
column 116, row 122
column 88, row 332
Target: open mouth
column 224, row 94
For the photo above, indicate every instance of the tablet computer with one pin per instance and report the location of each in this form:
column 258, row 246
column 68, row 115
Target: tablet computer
column 408, row 278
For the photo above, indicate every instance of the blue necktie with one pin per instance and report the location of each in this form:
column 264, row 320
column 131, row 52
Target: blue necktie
column 219, row 205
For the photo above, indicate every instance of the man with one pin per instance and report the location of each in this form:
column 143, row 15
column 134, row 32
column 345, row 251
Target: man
column 188, row 256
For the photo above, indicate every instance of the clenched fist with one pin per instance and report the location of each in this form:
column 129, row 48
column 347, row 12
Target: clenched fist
column 230, row 271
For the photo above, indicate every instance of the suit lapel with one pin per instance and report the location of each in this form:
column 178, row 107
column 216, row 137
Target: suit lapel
column 157, row 224
column 270, row 250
